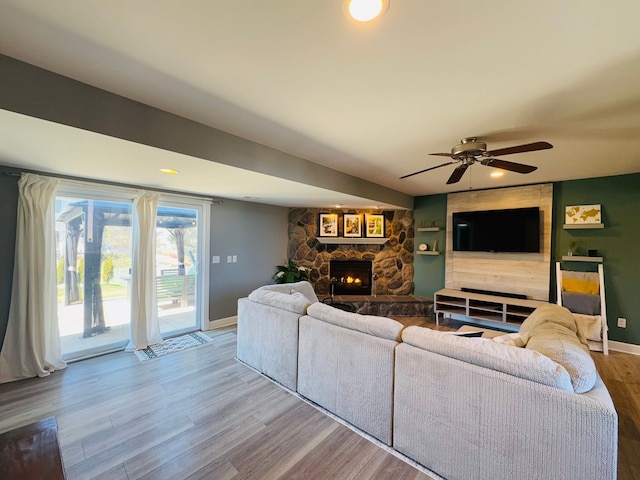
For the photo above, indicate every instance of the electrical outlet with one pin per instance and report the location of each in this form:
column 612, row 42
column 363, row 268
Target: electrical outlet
column 622, row 322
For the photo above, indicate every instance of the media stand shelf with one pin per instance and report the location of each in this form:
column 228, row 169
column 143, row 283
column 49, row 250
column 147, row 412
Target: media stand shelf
column 483, row 308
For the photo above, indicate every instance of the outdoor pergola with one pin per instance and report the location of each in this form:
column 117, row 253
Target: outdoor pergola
column 87, row 219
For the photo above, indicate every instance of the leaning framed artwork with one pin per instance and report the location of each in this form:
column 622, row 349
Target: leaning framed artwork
column 328, row 225
column 374, row 225
column 352, row 225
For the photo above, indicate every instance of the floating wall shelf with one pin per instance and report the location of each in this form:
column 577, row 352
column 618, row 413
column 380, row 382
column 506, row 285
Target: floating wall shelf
column 578, row 258
column 429, row 229
column 427, row 252
column 352, row 240
column 581, row 226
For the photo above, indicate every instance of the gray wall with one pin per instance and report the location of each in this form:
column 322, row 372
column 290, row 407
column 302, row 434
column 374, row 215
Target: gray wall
column 8, row 221
column 257, row 235
column 38, row 93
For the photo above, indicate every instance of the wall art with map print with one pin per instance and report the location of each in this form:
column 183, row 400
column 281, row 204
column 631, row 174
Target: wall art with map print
column 583, row 214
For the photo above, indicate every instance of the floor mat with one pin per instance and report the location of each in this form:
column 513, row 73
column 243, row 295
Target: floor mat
column 172, row 345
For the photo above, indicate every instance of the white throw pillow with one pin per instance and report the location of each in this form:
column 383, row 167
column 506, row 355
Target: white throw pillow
column 513, row 339
column 590, row 325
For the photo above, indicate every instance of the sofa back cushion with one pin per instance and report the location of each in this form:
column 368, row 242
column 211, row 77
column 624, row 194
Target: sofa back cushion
column 293, row 297
column 382, row 327
column 520, row 362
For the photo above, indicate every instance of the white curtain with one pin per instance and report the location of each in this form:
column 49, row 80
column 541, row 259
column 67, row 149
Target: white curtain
column 145, row 328
column 32, row 342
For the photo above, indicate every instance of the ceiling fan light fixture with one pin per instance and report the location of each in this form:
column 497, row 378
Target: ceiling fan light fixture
column 497, row 173
column 366, row 10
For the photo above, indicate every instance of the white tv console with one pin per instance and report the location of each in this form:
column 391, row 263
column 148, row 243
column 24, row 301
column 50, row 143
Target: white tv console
column 483, row 308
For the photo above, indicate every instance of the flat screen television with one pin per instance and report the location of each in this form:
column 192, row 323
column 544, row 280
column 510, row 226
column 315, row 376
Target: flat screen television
column 509, row 230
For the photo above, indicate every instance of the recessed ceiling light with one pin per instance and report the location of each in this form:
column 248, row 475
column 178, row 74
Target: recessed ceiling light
column 497, row 173
column 169, row 171
column 366, row 10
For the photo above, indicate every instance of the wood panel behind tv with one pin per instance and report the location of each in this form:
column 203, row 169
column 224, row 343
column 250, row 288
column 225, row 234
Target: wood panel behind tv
column 523, row 273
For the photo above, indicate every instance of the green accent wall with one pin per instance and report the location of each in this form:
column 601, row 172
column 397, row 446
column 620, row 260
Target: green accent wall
column 429, row 270
column 618, row 243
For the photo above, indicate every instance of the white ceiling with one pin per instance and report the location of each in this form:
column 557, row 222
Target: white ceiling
column 370, row 100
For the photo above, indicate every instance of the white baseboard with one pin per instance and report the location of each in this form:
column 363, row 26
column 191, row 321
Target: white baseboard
column 624, row 347
column 223, row 322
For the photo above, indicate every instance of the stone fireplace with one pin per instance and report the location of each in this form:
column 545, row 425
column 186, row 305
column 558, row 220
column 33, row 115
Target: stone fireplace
column 350, row 277
column 391, row 262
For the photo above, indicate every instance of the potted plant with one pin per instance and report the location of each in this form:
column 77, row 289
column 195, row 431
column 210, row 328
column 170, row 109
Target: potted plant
column 573, row 244
column 290, row 273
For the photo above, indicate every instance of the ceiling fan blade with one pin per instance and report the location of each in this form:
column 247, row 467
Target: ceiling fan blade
column 441, row 154
column 511, row 166
column 457, row 174
column 529, row 147
column 426, row 170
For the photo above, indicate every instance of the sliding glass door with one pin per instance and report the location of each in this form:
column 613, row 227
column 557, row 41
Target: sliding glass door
column 94, row 259
column 93, row 254
column 177, row 253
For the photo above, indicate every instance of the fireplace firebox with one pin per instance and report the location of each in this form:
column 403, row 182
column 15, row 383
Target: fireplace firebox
column 350, row 277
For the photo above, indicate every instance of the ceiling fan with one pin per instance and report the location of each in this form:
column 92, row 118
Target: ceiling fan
column 471, row 151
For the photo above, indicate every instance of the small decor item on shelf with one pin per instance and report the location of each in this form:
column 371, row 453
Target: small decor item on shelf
column 435, row 246
column 423, row 247
column 427, row 224
column 290, row 273
column 573, row 244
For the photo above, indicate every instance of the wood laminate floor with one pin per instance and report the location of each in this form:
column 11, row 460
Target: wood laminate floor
column 199, row 414
column 196, row 414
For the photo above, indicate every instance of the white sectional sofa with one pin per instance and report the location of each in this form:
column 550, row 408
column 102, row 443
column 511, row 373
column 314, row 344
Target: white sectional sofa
column 346, row 365
column 268, row 329
column 465, row 408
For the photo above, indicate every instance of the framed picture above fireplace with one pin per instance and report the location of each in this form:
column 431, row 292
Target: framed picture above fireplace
column 374, row 225
column 328, row 225
column 352, row 225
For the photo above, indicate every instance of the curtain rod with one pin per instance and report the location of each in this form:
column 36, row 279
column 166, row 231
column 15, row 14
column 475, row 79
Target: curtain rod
column 19, row 173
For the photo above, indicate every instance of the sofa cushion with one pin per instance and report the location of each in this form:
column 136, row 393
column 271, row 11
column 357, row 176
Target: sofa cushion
column 520, row 362
column 293, row 297
column 562, row 346
column 382, row 327
column 303, row 287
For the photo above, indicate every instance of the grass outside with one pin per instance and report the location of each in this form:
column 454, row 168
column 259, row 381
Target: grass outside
column 109, row 291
